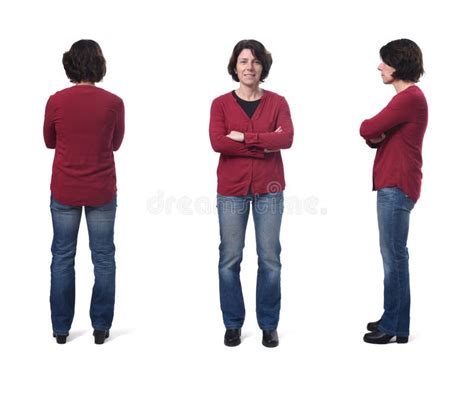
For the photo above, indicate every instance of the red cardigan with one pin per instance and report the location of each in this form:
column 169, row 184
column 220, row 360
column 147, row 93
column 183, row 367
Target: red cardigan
column 398, row 160
column 244, row 166
column 85, row 124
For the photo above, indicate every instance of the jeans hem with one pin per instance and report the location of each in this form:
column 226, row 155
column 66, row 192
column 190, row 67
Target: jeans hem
column 394, row 333
column 101, row 328
column 65, row 333
column 268, row 328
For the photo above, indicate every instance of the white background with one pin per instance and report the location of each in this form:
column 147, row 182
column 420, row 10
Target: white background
column 168, row 60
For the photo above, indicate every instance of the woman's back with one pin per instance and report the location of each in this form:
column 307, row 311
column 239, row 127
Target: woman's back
column 85, row 124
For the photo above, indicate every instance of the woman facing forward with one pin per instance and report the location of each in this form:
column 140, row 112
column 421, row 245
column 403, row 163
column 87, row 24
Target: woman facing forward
column 397, row 134
column 85, row 125
column 248, row 127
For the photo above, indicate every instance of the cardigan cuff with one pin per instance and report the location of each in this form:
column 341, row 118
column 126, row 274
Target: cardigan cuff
column 251, row 139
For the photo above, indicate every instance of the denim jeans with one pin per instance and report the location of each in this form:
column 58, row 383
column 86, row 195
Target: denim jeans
column 100, row 225
column 267, row 210
column 393, row 212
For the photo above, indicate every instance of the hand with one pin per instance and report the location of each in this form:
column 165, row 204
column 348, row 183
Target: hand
column 378, row 139
column 236, row 136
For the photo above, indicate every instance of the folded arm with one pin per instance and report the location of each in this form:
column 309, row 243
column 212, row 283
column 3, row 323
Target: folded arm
column 221, row 143
column 391, row 116
column 281, row 138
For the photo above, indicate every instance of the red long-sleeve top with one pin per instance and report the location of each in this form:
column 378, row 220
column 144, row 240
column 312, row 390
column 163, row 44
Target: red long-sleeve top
column 398, row 160
column 244, row 166
column 85, row 124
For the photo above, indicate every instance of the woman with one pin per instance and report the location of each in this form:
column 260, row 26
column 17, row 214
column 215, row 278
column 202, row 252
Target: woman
column 397, row 134
column 84, row 124
column 248, row 127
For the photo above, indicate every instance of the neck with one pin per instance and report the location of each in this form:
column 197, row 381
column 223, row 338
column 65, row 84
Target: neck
column 400, row 85
column 85, row 83
column 249, row 93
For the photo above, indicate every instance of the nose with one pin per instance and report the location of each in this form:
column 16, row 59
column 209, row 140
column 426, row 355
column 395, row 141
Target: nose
column 380, row 67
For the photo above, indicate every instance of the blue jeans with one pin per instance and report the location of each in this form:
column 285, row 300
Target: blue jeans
column 393, row 212
column 267, row 211
column 100, row 224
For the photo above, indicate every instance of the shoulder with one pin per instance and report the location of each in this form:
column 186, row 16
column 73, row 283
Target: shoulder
column 417, row 95
column 223, row 102
column 274, row 98
column 269, row 95
column 109, row 96
column 56, row 97
column 223, row 98
column 276, row 101
column 409, row 98
column 61, row 93
column 272, row 95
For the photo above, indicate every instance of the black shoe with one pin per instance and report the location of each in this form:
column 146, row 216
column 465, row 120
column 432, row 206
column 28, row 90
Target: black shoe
column 374, row 326
column 232, row 337
column 99, row 336
column 380, row 338
column 61, row 339
column 270, row 338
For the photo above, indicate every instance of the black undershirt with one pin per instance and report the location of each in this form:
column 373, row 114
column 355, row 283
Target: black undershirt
column 248, row 106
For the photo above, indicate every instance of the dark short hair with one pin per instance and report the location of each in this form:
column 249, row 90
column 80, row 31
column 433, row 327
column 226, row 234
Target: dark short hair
column 405, row 57
column 258, row 50
column 84, row 62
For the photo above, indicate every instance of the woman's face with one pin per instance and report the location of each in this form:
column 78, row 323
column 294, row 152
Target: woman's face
column 248, row 68
column 386, row 73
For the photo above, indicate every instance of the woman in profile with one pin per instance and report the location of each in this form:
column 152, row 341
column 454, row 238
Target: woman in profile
column 248, row 127
column 397, row 133
column 85, row 125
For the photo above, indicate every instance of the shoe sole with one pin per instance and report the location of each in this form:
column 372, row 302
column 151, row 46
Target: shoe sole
column 400, row 340
column 270, row 344
column 233, row 343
